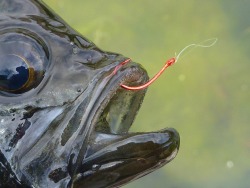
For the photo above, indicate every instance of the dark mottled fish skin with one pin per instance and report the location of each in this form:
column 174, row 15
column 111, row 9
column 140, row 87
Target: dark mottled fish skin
column 69, row 127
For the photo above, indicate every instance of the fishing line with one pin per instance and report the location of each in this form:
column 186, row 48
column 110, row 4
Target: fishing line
column 202, row 44
column 205, row 44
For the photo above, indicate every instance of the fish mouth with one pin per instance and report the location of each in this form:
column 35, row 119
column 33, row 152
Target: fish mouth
column 115, row 156
column 120, row 106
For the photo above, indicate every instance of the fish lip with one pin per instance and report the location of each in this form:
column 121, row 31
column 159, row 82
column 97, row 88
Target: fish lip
column 132, row 164
column 167, row 140
column 132, row 74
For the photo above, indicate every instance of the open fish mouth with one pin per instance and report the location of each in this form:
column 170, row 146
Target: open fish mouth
column 113, row 156
column 120, row 106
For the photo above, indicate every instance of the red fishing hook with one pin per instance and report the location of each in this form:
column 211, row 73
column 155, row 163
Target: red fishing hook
column 167, row 64
column 120, row 65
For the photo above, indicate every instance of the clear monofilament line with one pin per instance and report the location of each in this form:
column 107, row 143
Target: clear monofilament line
column 192, row 46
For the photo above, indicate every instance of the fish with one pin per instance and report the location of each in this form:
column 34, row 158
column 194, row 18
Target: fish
column 64, row 117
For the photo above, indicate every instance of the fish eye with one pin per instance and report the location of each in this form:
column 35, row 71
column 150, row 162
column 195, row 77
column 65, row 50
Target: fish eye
column 14, row 72
column 23, row 63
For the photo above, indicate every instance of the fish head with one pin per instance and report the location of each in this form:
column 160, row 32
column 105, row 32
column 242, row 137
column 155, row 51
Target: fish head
column 65, row 120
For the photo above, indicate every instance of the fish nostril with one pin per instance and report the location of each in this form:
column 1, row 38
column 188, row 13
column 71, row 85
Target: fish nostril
column 79, row 90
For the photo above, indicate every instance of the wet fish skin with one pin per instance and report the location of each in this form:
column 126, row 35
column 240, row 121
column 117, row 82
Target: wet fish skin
column 58, row 130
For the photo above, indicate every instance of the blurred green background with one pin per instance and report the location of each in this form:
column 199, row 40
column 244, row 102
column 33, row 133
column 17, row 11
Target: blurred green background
column 205, row 96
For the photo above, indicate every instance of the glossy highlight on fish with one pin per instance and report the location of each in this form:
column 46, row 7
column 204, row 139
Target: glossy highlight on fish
column 64, row 117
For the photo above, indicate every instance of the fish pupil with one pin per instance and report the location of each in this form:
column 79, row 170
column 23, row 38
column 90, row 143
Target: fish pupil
column 14, row 72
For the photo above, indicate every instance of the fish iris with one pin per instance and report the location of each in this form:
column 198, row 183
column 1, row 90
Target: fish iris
column 14, row 72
